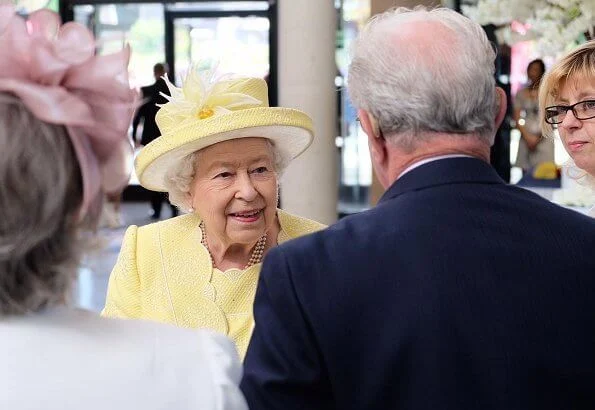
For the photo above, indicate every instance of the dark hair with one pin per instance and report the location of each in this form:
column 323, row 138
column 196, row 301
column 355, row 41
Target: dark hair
column 539, row 62
column 40, row 195
column 160, row 68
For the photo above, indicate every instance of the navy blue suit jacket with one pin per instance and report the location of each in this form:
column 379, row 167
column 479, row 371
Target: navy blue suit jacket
column 456, row 292
column 148, row 110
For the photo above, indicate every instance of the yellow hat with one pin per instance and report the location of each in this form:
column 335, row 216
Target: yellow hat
column 203, row 113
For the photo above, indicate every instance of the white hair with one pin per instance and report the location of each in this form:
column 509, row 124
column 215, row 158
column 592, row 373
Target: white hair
column 178, row 180
column 448, row 87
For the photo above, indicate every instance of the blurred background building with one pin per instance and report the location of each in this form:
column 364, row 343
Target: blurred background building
column 301, row 47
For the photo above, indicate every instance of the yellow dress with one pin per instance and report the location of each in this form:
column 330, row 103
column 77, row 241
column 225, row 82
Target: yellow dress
column 165, row 274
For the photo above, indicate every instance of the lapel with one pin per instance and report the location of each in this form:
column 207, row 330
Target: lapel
column 443, row 172
column 186, row 271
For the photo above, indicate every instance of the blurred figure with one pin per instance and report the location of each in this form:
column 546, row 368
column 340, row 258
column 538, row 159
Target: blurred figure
column 64, row 117
column 110, row 212
column 457, row 291
column 146, row 113
column 533, row 148
column 152, row 95
column 567, row 98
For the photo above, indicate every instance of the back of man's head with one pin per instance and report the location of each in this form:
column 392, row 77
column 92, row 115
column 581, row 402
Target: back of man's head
column 159, row 70
column 420, row 72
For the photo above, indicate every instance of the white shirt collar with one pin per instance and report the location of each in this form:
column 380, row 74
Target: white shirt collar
column 431, row 159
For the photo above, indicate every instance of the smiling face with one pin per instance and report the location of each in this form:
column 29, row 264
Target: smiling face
column 235, row 190
column 578, row 136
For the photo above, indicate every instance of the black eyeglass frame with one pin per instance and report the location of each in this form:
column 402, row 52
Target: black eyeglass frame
column 565, row 109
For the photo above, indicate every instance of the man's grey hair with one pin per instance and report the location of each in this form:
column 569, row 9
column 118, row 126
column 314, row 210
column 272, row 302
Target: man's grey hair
column 178, row 180
column 414, row 91
column 40, row 194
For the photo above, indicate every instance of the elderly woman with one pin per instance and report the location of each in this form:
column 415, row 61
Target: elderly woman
column 220, row 155
column 567, row 101
column 64, row 115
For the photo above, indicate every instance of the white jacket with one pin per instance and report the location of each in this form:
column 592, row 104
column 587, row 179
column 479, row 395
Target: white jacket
column 67, row 359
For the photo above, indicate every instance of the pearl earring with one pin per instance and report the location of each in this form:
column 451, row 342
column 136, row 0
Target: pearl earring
column 190, row 210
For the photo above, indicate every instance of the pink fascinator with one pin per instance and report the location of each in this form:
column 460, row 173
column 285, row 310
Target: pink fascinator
column 53, row 69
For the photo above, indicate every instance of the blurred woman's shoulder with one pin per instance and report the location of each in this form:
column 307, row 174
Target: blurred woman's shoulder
column 116, row 363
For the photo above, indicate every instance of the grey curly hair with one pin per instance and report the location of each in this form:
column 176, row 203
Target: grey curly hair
column 40, row 192
column 179, row 179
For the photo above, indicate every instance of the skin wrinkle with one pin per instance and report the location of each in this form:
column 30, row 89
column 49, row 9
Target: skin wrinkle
column 231, row 177
column 441, row 144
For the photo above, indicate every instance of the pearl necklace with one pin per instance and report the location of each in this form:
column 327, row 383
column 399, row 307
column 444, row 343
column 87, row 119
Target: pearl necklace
column 257, row 251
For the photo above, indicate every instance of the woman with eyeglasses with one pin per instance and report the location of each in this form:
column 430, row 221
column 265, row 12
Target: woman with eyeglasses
column 567, row 102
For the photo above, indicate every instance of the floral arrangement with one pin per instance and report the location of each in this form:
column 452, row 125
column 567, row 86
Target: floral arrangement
column 555, row 25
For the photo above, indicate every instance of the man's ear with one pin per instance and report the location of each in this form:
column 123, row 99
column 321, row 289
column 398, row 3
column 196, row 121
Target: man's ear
column 369, row 124
column 502, row 104
column 376, row 142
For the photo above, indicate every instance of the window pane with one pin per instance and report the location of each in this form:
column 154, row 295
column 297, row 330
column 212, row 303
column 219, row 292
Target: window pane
column 239, row 44
column 356, row 167
column 221, row 6
column 140, row 25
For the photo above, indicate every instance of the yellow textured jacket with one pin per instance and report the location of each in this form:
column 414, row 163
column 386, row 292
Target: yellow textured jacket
column 163, row 273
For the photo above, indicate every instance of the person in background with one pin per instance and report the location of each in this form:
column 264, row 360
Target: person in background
column 457, row 291
column 567, row 100
column 533, row 148
column 64, row 116
column 153, row 96
column 145, row 114
column 220, row 157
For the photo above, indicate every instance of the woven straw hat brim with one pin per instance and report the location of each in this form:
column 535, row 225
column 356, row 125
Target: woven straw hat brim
column 289, row 129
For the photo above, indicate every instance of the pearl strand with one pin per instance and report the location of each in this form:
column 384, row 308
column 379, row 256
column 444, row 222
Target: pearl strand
column 257, row 251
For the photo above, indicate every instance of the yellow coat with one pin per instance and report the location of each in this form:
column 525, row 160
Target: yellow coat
column 163, row 273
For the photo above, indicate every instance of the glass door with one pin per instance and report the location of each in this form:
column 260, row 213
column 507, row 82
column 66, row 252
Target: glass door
column 241, row 35
column 239, row 40
column 138, row 24
column 239, row 44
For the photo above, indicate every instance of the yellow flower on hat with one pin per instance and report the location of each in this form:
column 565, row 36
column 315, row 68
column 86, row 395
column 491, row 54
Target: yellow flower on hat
column 207, row 111
column 202, row 96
